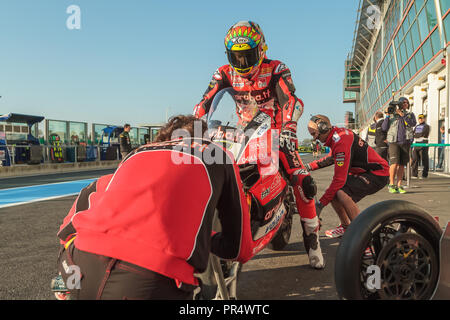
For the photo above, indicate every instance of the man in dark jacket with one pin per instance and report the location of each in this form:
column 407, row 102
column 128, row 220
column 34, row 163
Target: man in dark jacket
column 421, row 133
column 371, row 133
column 125, row 141
column 381, row 146
column 399, row 126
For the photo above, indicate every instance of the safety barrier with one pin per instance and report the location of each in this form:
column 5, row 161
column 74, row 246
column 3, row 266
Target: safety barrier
column 58, row 153
column 439, row 151
column 436, row 147
column 36, row 154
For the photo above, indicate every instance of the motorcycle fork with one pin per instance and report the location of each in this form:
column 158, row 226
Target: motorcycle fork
column 227, row 288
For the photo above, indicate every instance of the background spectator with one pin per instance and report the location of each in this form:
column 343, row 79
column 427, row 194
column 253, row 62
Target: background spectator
column 441, row 149
column 125, row 142
column 381, row 146
column 420, row 154
column 371, row 133
column 316, row 149
column 399, row 125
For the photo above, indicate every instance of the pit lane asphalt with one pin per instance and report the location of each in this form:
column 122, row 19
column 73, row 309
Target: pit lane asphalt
column 29, row 247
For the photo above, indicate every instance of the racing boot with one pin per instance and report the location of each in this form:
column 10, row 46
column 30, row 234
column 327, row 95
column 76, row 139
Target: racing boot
column 311, row 240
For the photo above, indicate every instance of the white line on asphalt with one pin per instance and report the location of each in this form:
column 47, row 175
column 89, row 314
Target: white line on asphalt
column 36, row 200
column 45, row 184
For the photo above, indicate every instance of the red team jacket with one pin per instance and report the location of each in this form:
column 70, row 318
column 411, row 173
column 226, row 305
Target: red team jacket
column 156, row 210
column 350, row 155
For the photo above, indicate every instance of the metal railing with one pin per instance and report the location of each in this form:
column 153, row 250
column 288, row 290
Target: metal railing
column 433, row 165
column 436, row 147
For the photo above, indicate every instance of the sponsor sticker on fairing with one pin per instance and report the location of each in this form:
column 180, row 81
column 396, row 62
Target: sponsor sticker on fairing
column 263, row 128
column 265, row 193
column 263, row 230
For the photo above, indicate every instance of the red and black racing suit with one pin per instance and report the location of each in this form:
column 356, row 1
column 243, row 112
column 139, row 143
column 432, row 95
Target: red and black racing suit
column 358, row 169
column 154, row 215
column 273, row 90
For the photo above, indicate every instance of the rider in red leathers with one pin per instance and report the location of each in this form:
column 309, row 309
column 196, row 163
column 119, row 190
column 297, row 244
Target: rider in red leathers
column 254, row 78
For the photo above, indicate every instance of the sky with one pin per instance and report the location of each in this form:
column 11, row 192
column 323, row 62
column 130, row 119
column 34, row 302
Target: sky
column 138, row 61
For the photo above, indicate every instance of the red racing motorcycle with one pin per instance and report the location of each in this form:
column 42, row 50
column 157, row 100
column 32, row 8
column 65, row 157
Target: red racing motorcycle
column 255, row 146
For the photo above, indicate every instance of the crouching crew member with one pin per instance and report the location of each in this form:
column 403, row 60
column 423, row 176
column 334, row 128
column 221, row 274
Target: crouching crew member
column 358, row 170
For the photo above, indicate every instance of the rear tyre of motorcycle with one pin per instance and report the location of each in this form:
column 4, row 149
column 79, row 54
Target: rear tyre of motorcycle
column 281, row 239
column 350, row 253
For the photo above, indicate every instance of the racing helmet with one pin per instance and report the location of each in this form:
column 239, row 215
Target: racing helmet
column 245, row 47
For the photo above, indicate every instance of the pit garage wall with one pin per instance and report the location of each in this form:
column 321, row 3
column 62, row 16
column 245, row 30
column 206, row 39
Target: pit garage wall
column 430, row 96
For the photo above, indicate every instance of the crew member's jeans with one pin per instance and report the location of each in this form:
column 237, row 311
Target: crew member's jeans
column 441, row 158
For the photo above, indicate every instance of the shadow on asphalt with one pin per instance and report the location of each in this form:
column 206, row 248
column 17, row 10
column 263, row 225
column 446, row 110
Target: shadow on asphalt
column 298, row 281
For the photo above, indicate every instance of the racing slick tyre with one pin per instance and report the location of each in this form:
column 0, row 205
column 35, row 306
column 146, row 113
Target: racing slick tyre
column 281, row 239
column 395, row 241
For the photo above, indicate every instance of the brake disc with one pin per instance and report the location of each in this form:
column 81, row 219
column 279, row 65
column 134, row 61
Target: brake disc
column 408, row 267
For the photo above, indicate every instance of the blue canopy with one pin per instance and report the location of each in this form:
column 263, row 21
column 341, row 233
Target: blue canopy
column 21, row 118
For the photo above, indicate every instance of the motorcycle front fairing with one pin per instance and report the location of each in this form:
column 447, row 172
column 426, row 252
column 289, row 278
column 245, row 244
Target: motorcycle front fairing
column 254, row 145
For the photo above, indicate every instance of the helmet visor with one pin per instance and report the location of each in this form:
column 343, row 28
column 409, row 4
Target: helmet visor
column 243, row 60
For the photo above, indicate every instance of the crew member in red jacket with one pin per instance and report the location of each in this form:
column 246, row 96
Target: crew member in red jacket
column 268, row 83
column 358, row 170
column 143, row 232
